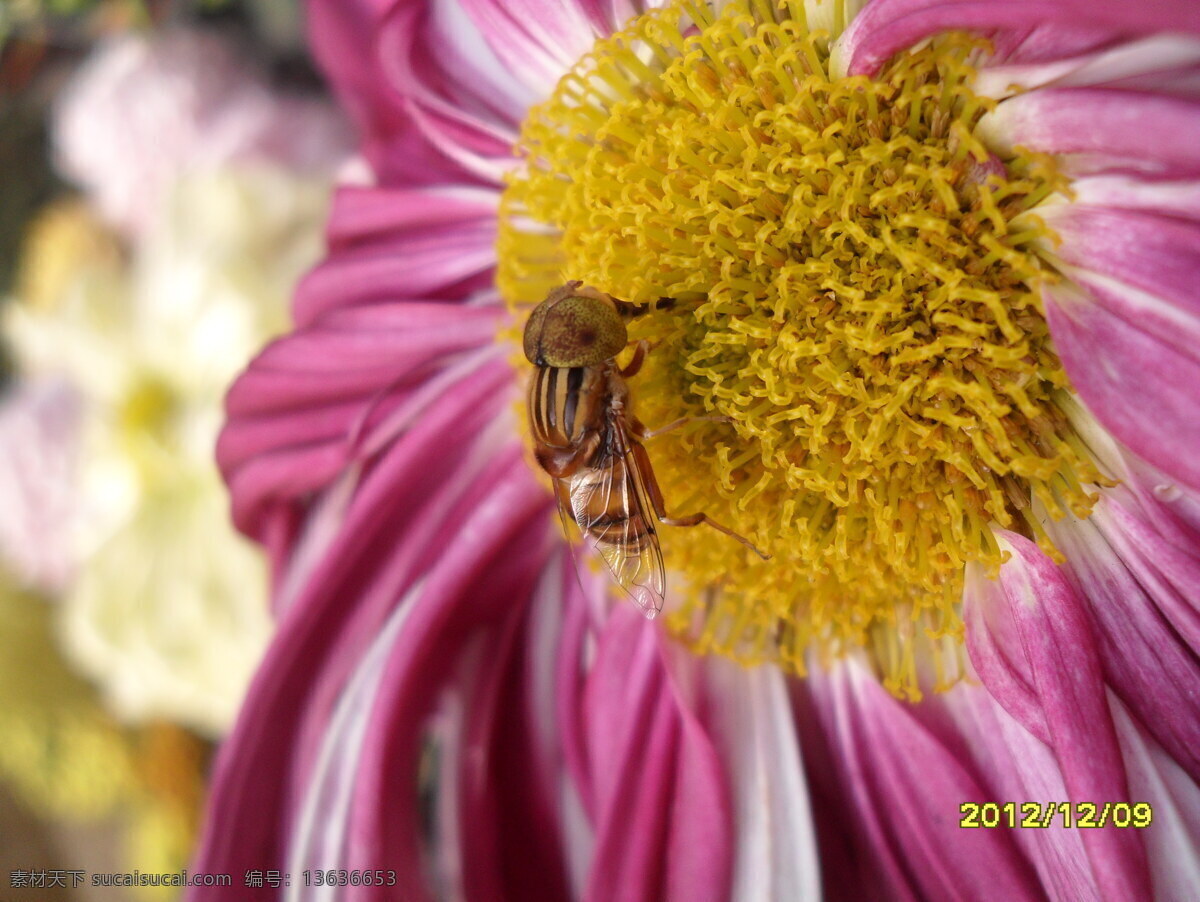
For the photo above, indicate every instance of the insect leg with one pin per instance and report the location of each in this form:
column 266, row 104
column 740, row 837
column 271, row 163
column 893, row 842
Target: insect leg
column 635, row 363
column 660, row 510
column 629, row 309
column 638, row 428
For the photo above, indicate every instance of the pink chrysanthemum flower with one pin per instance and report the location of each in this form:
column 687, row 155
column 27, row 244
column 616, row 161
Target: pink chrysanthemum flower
column 933, row 269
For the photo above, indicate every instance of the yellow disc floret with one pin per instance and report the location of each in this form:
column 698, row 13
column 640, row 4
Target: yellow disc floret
column 852, row 291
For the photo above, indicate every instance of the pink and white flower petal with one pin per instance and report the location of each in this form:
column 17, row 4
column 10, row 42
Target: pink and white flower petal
column 1158, row 63
column 1048, row 638
column 1023, row 31
column 1025, row 768
column 1173, row 796
column 407, row 243
column 1022, row 768
column 499, row 783
column 1179, row 199
column 1139, row 266
column 423, row 658
column 1145, row 629
column 459, row 95
column 338, row 34
column 1143, row 390
column 1160, row 556
column 470, row 69
column 1101, row 130
column 538, row 41
column 266, row 769
column 559, row 635
column 319, row 835
column 904, row 778
column 751, row 716
column 1167, row 507
column 656, row 788
column 342, row 35
column 294, row 426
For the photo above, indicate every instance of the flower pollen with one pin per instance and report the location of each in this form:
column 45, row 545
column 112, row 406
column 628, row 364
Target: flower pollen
column 855, row 282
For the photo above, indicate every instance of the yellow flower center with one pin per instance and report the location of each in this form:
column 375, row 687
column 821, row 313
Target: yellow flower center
column 855, row 283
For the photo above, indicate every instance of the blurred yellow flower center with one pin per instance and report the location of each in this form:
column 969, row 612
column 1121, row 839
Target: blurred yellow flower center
column 149, row 406
column 855, row 289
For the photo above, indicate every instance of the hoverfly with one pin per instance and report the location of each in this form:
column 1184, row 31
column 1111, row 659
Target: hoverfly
column 587, row 439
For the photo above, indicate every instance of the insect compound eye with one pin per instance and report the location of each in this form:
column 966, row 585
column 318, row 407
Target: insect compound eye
column 575, row 330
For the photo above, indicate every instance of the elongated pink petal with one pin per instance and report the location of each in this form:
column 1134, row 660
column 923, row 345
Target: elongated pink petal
column 1138, row 266
column 1043, row 29
column 437, row 640
column 850, row 868
column 1020, row 767
column 905, row 779
column 1156, row 61
column 1159, row 255
column 1058, row 649
column 998, row 656
column 1024, row 768
column 699, row 830
column 538, row 41
column 341, row 35
column 339, row 613
column 1183, row 82
column 426, row 265
column 1165, row 318
column 382, row 257
column 1101, row 130
column 1144, row 661
column 1173, row 797
column 386, row 499
column 556, row 645
column 1169, row 507
column 426, row 332
column 420, row 660
column 292, row 429
column 1143, row 391
column 570, row 674
column 319, row 833
column 752, row 719
column 474, row 61
column 1166, row 568
column 507, row 817
column 607, row 16
column 620, row 696
column 1172, row 507
column 1179, row 199
column 470, row 115
column 377, row 214
column 659, row 796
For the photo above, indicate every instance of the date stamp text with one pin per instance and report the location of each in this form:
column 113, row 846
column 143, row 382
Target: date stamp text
column 1076, row 815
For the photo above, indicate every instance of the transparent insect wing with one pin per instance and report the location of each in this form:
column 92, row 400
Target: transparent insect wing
column 630, row 546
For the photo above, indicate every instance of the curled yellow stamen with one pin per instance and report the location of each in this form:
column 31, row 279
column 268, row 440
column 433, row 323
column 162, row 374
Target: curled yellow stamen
column 850, row 292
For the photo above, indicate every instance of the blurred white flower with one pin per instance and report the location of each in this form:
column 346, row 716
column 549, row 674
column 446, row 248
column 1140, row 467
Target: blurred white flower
column 142, row 110
column 39, row 423
column 166, row 609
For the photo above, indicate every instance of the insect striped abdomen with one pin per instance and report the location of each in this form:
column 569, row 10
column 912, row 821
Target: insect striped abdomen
column 565, row 403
